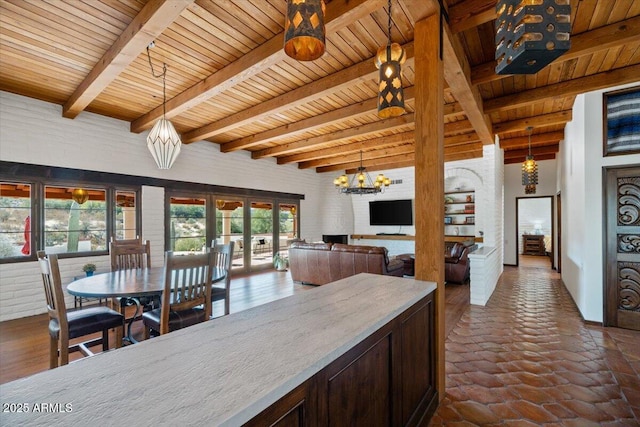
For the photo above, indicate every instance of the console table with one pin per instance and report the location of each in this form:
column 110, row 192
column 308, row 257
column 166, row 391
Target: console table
column 533, row 244
column 296, row 361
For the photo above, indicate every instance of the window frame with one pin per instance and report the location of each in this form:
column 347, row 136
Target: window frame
column 38, row 214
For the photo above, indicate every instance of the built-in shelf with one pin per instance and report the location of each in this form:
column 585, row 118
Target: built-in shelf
column 382, row 237
column 397, row 237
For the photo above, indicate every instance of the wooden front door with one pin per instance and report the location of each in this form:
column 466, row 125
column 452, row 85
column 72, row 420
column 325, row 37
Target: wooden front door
column 622, row 259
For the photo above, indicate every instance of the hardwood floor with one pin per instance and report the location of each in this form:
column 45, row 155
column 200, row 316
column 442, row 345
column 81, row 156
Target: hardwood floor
column 24, row 343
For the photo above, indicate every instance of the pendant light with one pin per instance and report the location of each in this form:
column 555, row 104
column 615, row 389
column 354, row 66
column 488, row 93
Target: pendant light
column 80, row 195
column 304, row 29
column 163, row 141
column 389, row 60
column 530, row 170
column 530, row 34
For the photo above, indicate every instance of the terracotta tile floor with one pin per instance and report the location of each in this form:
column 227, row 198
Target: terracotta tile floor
column 528, row 359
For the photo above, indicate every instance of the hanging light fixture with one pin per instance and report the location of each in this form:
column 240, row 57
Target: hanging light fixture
column 361, row 182
column 80, row 195
column 304, row 29
column 220, row 204
column 388, row 60
column 530, row 170
column 163, row 141
column 530, row 189
column 530, row 34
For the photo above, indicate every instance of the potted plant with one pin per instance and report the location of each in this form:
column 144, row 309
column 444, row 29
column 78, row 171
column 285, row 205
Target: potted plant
column 280, row 262
column 89, row 269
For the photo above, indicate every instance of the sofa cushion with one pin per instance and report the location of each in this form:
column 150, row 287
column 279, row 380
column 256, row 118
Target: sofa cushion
column 362, row 249
column 456, row 251
column 314, row 246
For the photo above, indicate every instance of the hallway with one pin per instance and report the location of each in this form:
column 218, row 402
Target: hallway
column 528, row 358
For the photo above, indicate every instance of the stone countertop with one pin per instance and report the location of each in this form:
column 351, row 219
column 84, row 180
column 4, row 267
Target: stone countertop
column 221, row 372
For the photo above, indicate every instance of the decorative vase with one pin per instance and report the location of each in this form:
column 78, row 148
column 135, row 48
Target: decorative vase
column 89, row 273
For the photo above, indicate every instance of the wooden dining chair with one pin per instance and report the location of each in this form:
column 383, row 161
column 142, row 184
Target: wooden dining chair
column 131, row 254
column 64, row 326
column 223, row 259
column 186, row 298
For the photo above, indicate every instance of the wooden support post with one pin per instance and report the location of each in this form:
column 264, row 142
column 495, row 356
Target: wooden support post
column 429, row 169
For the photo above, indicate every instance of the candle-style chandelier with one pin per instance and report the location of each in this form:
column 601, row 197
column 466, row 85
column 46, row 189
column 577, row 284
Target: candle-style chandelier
column 530, row 170
column 361, row 182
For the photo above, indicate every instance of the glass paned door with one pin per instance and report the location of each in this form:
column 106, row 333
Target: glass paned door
column 188, row 222
column 287, row 227
column 261, row 234
column 230, row 227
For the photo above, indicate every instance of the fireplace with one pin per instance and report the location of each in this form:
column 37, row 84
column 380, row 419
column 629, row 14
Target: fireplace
column 335, row 238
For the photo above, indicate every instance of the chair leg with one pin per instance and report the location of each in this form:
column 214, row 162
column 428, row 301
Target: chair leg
column 53, row 352
column 105, row 340
column 226, row 303
column 146, row 332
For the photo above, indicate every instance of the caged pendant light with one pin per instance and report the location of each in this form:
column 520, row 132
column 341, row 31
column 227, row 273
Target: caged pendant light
column 389, row 60
column 304, row 29
column 530, row 34
column 530, row 170
column 163, row 141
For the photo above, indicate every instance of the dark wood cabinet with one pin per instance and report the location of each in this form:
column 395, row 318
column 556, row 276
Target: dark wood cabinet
column 533, row 244
column 388, row 379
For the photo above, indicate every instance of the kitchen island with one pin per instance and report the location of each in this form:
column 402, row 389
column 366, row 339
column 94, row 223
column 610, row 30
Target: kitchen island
column 361, row 348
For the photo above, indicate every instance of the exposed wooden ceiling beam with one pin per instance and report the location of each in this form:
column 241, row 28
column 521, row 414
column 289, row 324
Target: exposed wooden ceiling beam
column 364, row 70
column 466, row 148
column 466, row 138
column 152, row 20
column 551, row 119
column 340, row 13
column 358, row 131
column 587, row 43
column 370, row 165
column 510, row 161
column 457, row 74
column 471, row 13
column 536, row 140
column 325, row 156
column 352, row 158
column 349, row 112
column 537, row 151
column 563, row 89
column 453, row 157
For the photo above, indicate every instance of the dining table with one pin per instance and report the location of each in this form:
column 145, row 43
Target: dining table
column 131, row 284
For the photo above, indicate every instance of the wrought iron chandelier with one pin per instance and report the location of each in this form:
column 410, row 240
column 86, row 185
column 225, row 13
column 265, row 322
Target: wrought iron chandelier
column 361, row 182
column 530, row 34
column 163, row 141
column 304, row 29
column 530, row 170
column 389, row 60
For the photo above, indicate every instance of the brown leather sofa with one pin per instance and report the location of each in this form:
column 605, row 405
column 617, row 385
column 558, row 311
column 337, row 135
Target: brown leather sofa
column 321, row 263
column 456, row 262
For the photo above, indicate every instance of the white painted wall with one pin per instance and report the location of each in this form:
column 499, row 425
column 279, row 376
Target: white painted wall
column 35, row 132
column 582, row 208
column 513, row 188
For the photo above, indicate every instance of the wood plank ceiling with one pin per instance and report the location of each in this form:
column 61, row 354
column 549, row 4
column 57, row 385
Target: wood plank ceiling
column 230, row 83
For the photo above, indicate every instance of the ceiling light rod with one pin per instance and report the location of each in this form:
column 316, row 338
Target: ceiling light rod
column 163, row 141
column 361, row 183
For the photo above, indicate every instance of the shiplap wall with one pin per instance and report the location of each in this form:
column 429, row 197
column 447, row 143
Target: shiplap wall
column 35, row 132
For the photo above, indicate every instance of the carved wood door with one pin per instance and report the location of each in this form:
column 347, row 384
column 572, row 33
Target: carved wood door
column 622, row 259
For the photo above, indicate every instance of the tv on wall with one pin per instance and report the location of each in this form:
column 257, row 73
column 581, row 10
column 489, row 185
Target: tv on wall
column 391, row 212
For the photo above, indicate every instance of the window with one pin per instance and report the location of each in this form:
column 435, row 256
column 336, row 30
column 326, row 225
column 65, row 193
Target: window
column 187, row 224
column 15, row 220
column 64, row 219
column 74, row 223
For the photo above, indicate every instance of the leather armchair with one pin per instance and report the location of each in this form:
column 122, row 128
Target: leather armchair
column 456, row 263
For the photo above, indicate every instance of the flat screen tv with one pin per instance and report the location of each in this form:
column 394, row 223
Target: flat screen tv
column 391, row 212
